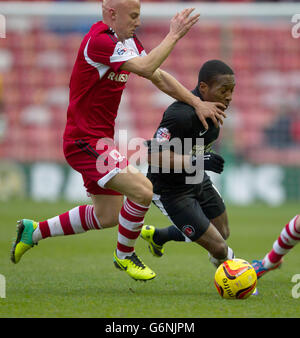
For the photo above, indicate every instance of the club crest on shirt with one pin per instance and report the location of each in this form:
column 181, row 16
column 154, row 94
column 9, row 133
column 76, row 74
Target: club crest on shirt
column 116, row 156
column 124, row 49
column 121, row 50
column 163, row 134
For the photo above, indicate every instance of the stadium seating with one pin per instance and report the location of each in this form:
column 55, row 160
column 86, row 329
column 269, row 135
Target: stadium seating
column 35, row 68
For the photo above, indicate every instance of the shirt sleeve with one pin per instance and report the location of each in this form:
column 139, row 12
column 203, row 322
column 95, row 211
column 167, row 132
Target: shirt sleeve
column 106, row 49
column 176, row 120
column 174, row 125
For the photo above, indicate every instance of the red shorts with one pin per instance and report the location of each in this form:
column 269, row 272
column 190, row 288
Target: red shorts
column 97, row 160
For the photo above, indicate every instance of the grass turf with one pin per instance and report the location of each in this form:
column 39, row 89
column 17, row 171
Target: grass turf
column 74, row 276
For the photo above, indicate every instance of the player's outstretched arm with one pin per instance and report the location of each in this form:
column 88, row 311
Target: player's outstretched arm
column 169, row 159
column 169, row 85
column 145, row 66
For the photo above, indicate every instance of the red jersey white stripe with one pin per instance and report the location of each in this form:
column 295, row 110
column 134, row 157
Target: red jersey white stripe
column 97, row 83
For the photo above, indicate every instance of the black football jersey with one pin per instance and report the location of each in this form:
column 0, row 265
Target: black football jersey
column 179, row 121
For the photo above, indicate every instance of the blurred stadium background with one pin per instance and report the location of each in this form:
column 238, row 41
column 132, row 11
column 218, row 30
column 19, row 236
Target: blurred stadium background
column 261, row 136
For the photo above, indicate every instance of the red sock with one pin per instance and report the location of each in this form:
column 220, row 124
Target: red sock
column 77, row 220
column 288, row 238
column 131, row 220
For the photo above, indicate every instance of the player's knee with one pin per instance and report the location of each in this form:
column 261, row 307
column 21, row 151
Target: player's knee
column 107, row 221
column 143, row 194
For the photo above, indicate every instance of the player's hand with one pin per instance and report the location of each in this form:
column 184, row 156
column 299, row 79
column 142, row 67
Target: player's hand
column 212, row 110
column 213, row 162
column 182, row 22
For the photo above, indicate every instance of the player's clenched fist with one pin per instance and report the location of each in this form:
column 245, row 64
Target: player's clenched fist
column 182, row 22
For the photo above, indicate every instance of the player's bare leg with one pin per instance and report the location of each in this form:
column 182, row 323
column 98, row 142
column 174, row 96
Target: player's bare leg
column 157, row 237
column 214, row 243
column 133, row 184
column 138, row 191
column 211, row 240
column 107, row 209
column 221, row 223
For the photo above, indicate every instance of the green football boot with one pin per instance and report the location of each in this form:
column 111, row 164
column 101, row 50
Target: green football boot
column 147, row 234
column 134, row 267
column 24, row 242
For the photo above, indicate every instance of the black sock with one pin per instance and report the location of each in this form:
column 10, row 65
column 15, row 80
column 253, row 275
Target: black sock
column 171, row 233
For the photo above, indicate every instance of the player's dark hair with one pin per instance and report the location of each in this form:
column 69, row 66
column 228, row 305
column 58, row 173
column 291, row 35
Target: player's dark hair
column 211, row 69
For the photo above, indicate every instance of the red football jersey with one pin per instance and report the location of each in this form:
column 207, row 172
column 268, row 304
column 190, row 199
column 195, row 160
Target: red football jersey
column 97, row 83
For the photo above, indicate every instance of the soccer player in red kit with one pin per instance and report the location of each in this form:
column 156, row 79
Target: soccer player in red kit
column 108, row 54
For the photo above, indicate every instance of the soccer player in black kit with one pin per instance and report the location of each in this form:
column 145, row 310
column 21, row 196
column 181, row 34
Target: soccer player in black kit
column 196, row 210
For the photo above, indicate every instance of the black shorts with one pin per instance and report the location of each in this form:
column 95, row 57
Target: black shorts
column 191, row 207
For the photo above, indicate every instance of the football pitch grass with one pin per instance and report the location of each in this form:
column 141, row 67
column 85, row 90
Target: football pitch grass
column 74, row 276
